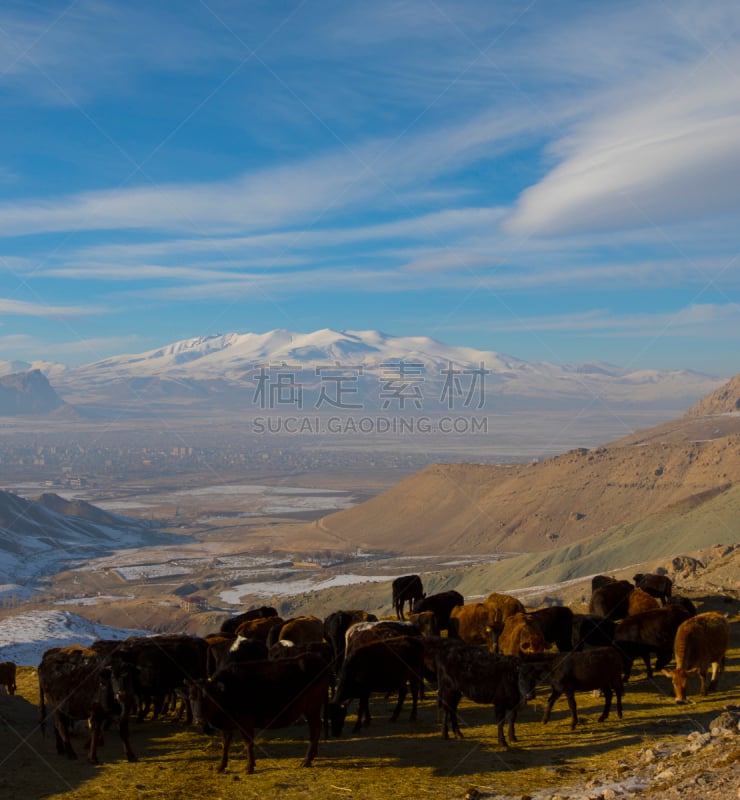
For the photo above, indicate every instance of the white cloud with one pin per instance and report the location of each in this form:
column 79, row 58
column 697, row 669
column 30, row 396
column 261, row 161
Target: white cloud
column 25, row 309
column 670, row 153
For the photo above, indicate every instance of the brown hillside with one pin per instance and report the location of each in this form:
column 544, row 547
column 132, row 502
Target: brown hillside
column 725, row 400
column 469, row 508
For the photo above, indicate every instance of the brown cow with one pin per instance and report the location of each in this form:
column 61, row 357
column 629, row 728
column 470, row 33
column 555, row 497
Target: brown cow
column 521, row 636
column 259, row 628
column 299, row 630
column 651, row 631
column 471, row 624
column 7, row 676
column 500, row 607
column 75, row 685
column 701, row 642
column 639, row 600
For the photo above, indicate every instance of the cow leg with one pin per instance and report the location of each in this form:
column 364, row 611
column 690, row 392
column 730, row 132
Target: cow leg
column 123, row 733
column 550, row 703
column 399, row 704
column 663, row 658
column 248, row 734
column 571, row 697
column 618, row 693
column 500, row 715
column 61, row 729
column 608, row 693
column 363, row 710
column 512, row 720
column 415, row 684
column 225, row 750
column 703, row 680
column 313, row 718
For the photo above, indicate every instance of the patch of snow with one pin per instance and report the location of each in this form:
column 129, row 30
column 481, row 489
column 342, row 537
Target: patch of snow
column 26, row 636
column 292, row 588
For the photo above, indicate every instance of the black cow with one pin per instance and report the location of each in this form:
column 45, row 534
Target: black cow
column 568, row 673
column 506, row 682
column 387, row 665
column 232, row 623
column 406, row 589
column 75, row 685
column 612, row 600
column 659, row 586
column 592, row 630
column 256, row 695
column 441, row 605
column 651, row 631
column 601, row 580
column 556, row 624
column 336, row 625
column 157, row 667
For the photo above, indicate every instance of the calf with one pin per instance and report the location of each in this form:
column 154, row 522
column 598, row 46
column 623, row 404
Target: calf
column 568, row 673
column 701, row 642
column 74, row 685
column 648, row 632
column 7, row 676
column 379, row 666
column 254, row 695
column 406, row 589
column 425, row 622
column 503, row 681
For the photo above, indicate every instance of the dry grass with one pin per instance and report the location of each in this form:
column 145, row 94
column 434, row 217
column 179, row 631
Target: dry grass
column 388, row 761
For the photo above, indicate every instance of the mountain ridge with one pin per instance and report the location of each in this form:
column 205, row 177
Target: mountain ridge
column 227, row 371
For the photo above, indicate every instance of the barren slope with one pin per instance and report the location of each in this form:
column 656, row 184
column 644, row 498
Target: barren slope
column 469, row 508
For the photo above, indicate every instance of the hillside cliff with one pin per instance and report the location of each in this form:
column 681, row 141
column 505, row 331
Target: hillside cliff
column 473, row 508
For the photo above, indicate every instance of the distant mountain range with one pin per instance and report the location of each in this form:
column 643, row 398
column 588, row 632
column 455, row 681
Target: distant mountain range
column 333, row 371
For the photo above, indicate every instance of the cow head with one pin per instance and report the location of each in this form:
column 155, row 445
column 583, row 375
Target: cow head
column 207, row 701
column 680, row 678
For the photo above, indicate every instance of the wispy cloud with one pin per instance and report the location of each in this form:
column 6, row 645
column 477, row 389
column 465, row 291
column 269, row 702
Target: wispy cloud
column 26, row 309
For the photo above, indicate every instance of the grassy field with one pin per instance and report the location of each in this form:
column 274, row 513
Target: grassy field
column 387, row 760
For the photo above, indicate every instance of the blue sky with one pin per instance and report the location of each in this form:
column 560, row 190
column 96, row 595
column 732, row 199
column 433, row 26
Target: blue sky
column 555, row 181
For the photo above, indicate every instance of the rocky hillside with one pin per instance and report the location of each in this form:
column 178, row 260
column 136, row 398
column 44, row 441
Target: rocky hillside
column 27, row 393
column 474, row 508
column 726, row 400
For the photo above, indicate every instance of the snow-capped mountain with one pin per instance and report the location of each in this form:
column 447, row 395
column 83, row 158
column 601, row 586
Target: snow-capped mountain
column 229, row 370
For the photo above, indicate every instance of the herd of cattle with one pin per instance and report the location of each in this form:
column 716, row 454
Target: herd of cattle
column 260, row 671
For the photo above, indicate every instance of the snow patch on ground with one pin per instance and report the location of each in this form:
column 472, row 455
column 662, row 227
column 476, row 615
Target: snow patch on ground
column 26, row 636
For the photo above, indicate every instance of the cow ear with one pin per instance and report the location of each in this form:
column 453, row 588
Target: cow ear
column 668, row 673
